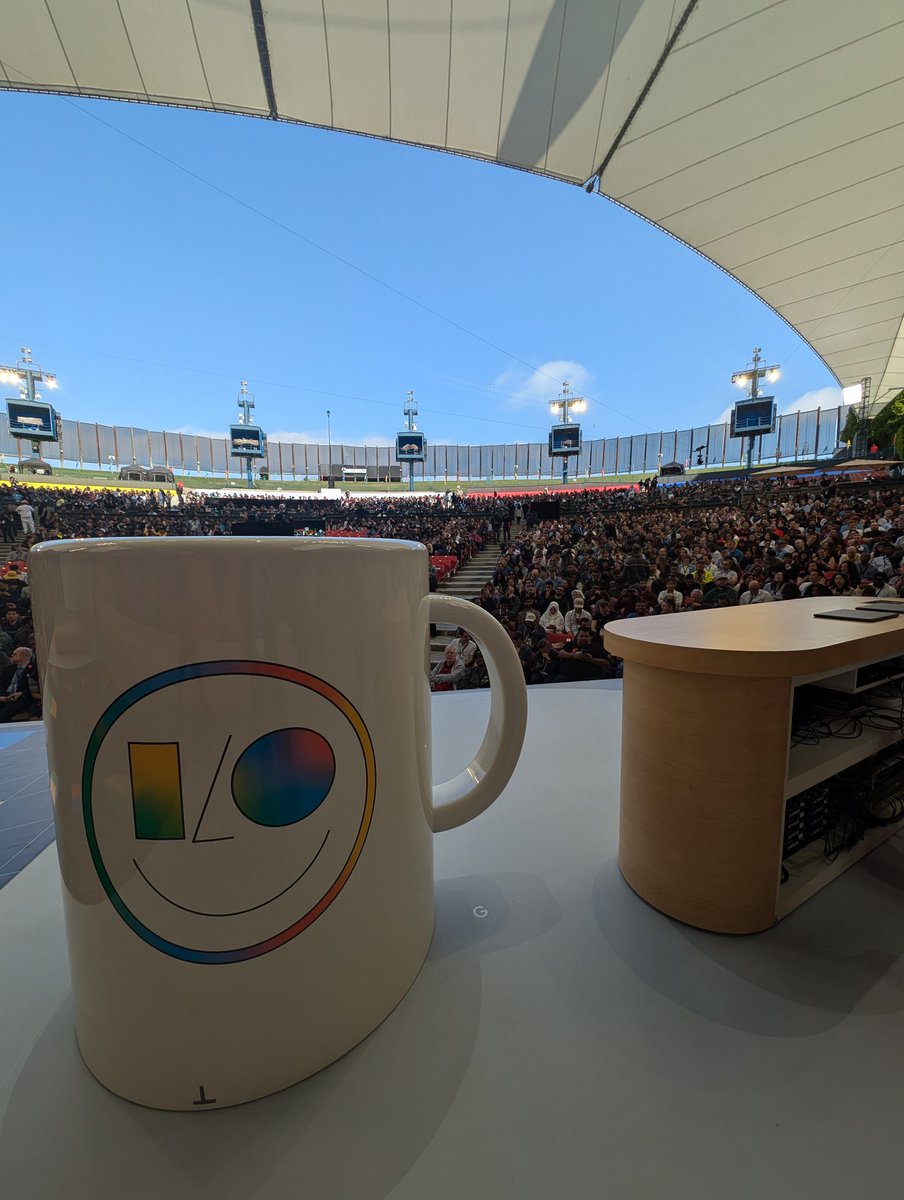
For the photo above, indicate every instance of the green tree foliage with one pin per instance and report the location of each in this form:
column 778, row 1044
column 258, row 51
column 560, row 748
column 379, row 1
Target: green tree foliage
column 899, row 443
column 885, row 426
column 851, row 425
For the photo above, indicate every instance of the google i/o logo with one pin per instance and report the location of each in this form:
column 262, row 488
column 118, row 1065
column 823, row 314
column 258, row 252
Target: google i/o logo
column 226, row 805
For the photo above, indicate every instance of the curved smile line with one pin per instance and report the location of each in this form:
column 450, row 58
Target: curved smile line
column 241, row 911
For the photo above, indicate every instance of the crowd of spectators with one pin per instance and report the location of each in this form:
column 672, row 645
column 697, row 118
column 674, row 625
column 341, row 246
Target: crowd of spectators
column 606, row 555
column 678, row 550
column 446, row 525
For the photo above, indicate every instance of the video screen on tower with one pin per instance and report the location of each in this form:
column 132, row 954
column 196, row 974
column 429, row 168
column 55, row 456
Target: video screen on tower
column 31, row 419
column 564, row 440
column 753, row 417
column 411, row 446
column 247, row 441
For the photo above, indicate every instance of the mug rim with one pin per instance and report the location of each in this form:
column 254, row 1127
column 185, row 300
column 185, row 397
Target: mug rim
column 226, row 544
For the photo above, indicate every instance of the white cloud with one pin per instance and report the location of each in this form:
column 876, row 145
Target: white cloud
column 827, row 397
column 294, row 435
column 373, row 439
column 724, row 416
column 195, row 431
column 535, row 389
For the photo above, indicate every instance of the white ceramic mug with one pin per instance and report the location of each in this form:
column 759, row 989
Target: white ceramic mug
column 238, row 734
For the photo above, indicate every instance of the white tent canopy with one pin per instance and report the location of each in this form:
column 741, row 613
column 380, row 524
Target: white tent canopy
column 767, row 134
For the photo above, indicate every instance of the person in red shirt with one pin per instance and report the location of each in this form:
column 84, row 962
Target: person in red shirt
column 446, row 675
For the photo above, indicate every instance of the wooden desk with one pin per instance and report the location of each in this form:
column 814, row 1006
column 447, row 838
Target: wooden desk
column 706, row 758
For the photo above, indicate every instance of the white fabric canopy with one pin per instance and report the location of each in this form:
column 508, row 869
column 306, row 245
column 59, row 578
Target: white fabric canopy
column 767, row 134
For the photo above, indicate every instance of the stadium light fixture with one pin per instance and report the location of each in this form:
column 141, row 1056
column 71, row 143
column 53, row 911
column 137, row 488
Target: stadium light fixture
column 26, row 374
column 563, row 408
column 750, row 378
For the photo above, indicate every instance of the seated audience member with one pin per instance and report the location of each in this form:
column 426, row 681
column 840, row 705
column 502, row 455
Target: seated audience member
column 775, row 584
column 476, row 674
column 670, row 592
column 755, row 594
column 582, row 659
column 813, row 580
column 602, row 614
column 464, row 646
column 532, row 631
column 574, row 615
column 720, row 594
column 545, row 665
column 446, row 675
column 552, row 620
column 726, row 568
column 883, row 588
column 487, row 599
column 17, row 683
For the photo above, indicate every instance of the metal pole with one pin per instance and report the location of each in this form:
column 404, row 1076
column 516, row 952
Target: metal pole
column 329, row 439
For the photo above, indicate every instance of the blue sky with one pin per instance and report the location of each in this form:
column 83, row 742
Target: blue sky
column 155, row 257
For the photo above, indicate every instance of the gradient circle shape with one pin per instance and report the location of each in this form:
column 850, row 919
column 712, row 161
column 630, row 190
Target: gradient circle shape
column 283, row 776
column 205, row 670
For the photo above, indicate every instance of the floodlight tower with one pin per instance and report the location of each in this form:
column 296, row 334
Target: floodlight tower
column 246, row 403
column 562, row 408
column 410, row 411
column 750, row 378
column 247, row 441
column 26, row 374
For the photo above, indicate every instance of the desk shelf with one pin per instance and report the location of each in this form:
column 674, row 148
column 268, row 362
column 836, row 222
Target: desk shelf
column 809, row 765
column 809, row 872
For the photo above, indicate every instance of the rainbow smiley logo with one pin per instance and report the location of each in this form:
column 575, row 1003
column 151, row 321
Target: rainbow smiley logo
column 226, row 805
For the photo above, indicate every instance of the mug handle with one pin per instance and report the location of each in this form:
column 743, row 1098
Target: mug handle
column 467, row 795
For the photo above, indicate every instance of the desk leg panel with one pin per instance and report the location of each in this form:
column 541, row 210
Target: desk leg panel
column 704, row 759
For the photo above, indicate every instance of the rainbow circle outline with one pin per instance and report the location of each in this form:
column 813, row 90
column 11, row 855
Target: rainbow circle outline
column 164, row 679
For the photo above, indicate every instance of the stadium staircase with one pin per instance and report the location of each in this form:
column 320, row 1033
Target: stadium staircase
column 12, row 550
column 466, row 584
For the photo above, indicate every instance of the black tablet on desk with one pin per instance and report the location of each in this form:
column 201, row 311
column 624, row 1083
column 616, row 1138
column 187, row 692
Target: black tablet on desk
column 857, row 614
column 892, row 606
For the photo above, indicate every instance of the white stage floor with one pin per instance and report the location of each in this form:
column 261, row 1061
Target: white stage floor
column 563, row 1039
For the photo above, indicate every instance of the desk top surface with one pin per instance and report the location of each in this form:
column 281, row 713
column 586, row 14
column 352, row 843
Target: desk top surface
column 563, row 1038
column 783, row 638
